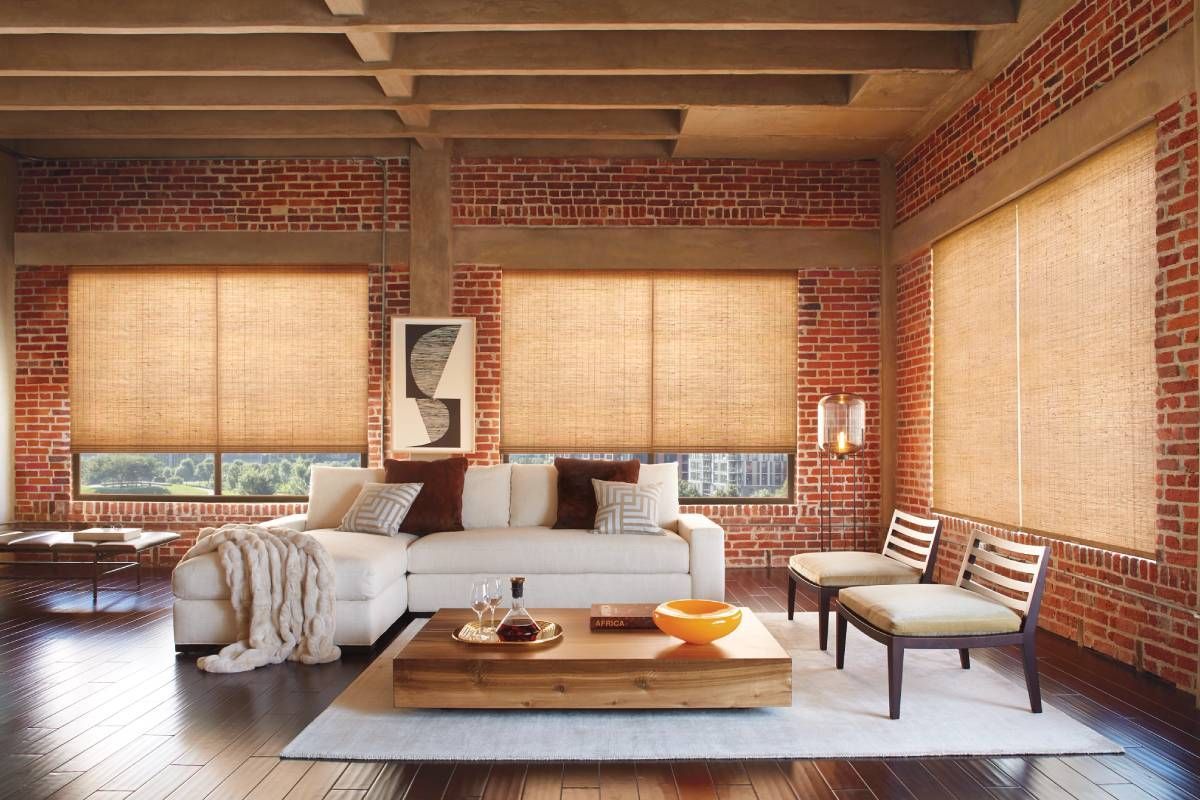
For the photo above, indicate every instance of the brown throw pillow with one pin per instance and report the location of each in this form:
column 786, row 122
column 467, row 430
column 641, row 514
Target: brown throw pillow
column 439, row 505
column 577, row 496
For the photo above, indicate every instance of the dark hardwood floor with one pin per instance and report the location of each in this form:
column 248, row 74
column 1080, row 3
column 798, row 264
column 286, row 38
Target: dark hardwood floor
column 97, row 705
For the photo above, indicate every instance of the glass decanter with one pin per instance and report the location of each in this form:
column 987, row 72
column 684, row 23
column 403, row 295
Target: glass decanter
column 518, row 625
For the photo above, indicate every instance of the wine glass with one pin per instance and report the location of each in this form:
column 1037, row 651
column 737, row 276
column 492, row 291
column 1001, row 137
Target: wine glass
column 479, row 599
column 495, row 593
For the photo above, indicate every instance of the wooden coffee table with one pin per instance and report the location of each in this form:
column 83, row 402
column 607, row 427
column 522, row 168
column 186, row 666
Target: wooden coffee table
column 611, row 669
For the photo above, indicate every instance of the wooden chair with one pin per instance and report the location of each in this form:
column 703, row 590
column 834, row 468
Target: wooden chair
column 993, row 603
column 909, row 554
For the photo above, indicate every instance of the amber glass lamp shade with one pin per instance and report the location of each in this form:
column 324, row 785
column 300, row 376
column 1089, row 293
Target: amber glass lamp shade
column 841, row 423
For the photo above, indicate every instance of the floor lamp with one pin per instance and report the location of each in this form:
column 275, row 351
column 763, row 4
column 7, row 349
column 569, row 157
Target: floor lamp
column 841, row 433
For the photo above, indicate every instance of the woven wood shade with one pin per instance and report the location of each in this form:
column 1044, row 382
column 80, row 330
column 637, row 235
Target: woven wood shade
column 648, row 362
column 724, row 362
column 975, row 465
column 575, row 376
column 143, row 351
column 293, row 360
column 1088, row 373
column 218, row 359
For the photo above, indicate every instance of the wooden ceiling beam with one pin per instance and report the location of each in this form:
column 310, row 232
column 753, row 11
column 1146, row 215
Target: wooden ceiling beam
column 641, row 124
column 434, row 92
column 406, row 16
column 552, row 53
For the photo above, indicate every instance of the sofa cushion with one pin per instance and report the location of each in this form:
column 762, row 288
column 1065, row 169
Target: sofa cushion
column 533, row 550
column 534, row 496
column 627, row 508
column 577, row 496
column 439, row 505
column 380, row 508
column 930, row 609
column 668, row 502
column 333, row 490
column 364, row 564
column 486, row 496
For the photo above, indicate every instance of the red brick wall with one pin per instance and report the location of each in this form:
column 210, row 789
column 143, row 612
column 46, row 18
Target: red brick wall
column 724, row 192
column 914, row 384
column 1076, row 55
column 1138, row 610
column 66, row 196
column 838, row 328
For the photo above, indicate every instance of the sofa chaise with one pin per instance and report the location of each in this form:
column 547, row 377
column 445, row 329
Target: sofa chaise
column 508, row 511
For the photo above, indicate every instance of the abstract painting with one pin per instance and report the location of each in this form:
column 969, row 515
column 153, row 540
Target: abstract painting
column 433, row 385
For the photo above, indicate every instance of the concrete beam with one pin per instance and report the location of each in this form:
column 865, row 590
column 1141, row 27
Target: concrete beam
column 506, row 53
column 406, row 16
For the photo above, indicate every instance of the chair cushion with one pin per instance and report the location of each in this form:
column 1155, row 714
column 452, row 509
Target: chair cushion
column 849, row 568
column 364, row 564
column 533, row 550
column 929, row 610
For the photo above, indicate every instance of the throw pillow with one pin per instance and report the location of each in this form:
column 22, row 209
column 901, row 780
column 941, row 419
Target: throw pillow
column 439, row 505
column 577, row 497
column 380, row 508
column 627, row 507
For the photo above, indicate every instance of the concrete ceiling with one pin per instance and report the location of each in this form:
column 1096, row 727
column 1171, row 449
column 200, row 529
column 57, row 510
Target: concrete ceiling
column 741, row 78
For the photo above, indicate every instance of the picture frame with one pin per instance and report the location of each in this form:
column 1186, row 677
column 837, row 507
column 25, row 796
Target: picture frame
column 433, row 385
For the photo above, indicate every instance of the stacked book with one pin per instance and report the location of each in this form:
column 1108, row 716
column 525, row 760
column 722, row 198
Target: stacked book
column 622, row 617
column 107, row 534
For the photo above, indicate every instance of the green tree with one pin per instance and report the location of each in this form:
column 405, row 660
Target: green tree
column 122, row 469
column 258, row 479
column 186, row 471
column 204, row 470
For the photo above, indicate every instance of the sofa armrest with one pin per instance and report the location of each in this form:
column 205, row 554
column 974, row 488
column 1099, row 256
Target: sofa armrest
column 706, row 542
column 293, row 521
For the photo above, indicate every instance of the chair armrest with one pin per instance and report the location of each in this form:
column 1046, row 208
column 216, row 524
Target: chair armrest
column 706, row 542
column 294, row 521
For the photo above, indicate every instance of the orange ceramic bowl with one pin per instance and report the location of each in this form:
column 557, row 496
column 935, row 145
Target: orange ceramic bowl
column 697, row 621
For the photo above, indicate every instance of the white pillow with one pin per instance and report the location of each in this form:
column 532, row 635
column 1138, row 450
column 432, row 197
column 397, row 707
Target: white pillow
column 627, row 507
column 668, row 504
column 486, row 495
column 333, row 490
column 380, row 508
column 534, row 495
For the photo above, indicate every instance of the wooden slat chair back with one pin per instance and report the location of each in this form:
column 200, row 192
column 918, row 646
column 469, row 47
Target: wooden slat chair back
column 912, row 541
column 990, row 571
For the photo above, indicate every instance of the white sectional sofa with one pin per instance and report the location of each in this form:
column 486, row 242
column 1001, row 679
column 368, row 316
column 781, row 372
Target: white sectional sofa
column 507, row 513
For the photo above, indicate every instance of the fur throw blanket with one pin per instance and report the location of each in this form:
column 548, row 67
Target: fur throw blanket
column 281, row 584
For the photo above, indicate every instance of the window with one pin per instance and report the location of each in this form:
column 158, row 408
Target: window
column 688, row 366
column 706, row 477
column 1045, row 381
column 179, row 374
column 195, row 474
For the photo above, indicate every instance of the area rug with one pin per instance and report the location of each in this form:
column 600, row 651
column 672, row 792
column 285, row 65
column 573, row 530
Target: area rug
column 947, row 711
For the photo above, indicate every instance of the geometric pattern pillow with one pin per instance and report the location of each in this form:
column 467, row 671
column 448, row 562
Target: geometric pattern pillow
column 380, row 508
column 627, row 507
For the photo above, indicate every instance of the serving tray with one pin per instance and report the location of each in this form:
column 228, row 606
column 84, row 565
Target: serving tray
column 474, row 635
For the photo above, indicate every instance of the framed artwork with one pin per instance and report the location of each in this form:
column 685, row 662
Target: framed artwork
column 433, row 385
